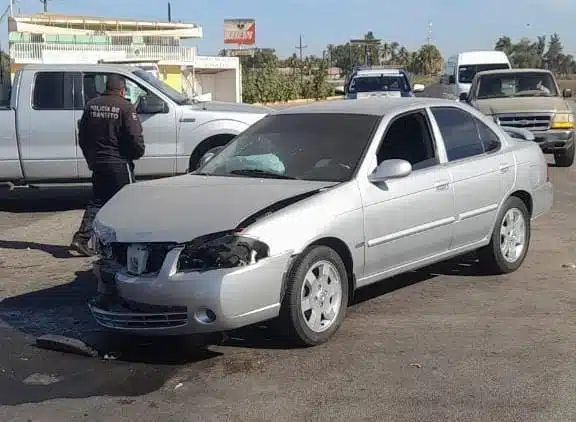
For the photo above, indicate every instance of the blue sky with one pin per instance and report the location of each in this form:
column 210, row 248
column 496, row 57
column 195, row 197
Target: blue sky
column 457, row 24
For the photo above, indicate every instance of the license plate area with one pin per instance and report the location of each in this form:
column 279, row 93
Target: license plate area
column 137, row 259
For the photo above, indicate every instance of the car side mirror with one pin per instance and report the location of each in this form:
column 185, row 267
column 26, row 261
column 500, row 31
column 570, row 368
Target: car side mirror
column 567, row 93
column 390, row 169
column 418, row 88
column 151, row 104
column 463, row 96
column 205, row 158
column 451, row 79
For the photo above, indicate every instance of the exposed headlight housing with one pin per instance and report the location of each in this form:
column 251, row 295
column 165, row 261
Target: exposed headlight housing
column 104, row 233
column 563, row 121
column 221, row 250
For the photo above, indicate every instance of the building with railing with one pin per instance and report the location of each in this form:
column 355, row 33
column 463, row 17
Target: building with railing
column 54, row 38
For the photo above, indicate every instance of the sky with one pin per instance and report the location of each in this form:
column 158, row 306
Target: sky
column 457, row 25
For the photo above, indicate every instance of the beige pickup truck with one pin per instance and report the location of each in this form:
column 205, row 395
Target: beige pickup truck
column 528, row 99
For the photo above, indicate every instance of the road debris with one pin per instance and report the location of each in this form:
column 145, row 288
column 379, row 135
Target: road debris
column 66, row 345
column 416, row 365
column 571, row 265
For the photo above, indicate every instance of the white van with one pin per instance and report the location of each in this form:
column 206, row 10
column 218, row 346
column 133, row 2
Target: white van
column 460, row 69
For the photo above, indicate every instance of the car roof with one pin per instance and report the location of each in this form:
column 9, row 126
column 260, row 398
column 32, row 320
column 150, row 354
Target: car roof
column 100, row 67
column 511, row 71
column 371, row 106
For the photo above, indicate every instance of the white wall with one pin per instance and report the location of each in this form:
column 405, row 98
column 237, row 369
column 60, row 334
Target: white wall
column 224, row 86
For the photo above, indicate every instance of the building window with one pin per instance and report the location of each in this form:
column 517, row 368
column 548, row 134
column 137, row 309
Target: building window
column 168, row 41
column 122, row 40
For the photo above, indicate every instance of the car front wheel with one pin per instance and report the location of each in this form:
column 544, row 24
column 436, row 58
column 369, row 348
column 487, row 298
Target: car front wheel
column 316, row 296
column 510, row 239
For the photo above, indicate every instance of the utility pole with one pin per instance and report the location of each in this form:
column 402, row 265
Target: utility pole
column 169, row 12
column 45, row 3
column 301, row 47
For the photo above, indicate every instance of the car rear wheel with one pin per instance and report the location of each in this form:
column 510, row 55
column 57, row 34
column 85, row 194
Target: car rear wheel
column 510, row 239
column 565, row 158
column 316, row 296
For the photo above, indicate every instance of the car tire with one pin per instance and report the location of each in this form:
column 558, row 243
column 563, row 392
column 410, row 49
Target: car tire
column 317, row 280
column 565, row 158
column 509, row 245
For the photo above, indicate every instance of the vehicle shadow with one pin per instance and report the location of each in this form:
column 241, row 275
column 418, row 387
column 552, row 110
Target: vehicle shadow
column 45, row 199
column 57, row 251
column 62, row 310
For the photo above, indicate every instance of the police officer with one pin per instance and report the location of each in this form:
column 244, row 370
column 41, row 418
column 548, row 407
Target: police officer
column 110, row 136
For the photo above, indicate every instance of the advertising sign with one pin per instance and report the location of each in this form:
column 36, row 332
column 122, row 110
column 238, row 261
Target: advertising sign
column 240, row 31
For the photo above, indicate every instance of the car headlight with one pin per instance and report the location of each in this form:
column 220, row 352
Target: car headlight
column 224, row 250
column 563, row 121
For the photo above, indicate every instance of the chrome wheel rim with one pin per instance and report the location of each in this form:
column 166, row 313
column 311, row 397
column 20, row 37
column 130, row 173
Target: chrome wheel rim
column 321, row 296
column 513, row 235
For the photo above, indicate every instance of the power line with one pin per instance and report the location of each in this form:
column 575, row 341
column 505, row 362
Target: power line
column 301, row 47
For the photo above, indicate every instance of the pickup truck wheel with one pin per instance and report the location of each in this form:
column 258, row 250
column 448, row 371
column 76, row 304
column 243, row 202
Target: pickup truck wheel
column 316, row 298
column 565, row 158
column 212, row 144
column 510, row 239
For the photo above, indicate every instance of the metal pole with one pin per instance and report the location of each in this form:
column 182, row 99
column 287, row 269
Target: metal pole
column 169, row 12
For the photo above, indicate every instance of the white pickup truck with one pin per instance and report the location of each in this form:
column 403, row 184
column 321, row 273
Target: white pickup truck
column 39, row 126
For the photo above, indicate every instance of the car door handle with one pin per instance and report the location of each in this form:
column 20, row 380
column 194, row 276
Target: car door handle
column 504, row 168
column 441, row 185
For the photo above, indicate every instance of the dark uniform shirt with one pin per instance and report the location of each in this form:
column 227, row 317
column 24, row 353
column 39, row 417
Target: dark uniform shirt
column 110, row 131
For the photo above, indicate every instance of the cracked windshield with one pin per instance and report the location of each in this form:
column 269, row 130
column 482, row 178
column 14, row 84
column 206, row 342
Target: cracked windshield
column 287, row 211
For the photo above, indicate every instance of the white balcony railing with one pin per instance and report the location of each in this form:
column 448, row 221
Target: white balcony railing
column 90, row 53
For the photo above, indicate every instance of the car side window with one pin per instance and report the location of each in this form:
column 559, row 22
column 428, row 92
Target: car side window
column 490, row 141
column 52, row 91
column 95, row 85
column 459, row 131
column 409, row 138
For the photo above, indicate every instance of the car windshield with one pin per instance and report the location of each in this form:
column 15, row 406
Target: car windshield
column 314, row 146
column 164, row 88
column 378, row 84
column 467, row 73
column 525, row 84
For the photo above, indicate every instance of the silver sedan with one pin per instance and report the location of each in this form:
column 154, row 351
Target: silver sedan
column 310, row 204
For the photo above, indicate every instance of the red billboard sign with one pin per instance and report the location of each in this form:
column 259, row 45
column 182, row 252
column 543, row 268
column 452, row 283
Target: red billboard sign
column 240, row 31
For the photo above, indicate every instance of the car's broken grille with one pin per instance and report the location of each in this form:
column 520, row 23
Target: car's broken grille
column 156, row 257
column 530, row 121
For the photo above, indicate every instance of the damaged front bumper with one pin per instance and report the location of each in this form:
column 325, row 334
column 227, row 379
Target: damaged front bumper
column 177, row 303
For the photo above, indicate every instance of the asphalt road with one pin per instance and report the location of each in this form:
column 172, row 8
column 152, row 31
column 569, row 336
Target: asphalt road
column 444, row 343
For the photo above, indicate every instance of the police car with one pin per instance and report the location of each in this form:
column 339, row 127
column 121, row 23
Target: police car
column 368, row 82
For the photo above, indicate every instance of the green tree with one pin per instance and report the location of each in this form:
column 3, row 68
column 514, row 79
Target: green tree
column 538, row 54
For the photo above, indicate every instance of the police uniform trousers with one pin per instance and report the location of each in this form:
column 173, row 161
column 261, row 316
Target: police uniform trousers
column 107, row 180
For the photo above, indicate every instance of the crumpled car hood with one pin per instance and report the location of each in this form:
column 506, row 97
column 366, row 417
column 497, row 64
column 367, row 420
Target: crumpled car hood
column 179, row 209
column 519, row 105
